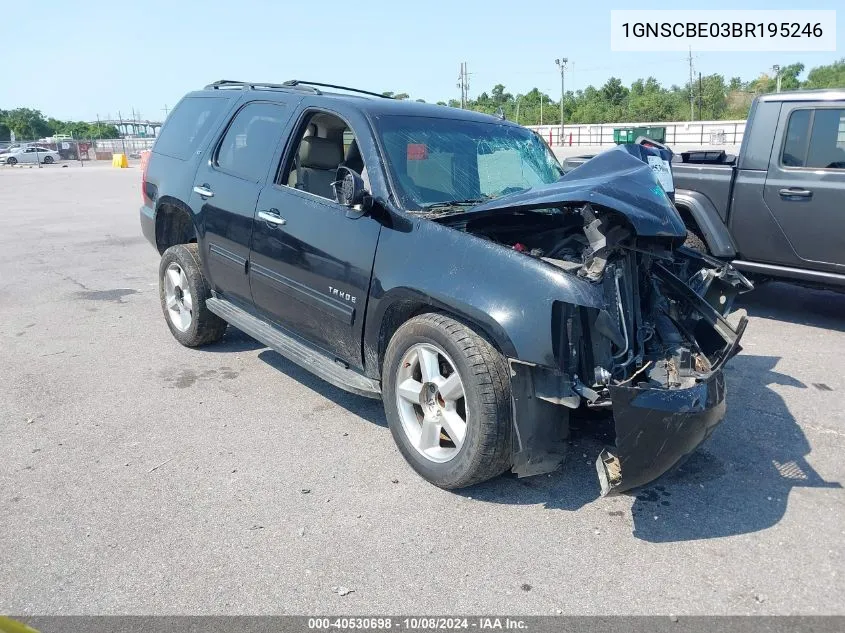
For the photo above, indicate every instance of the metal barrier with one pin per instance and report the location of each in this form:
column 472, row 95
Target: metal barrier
column 677, row 132
column 80, row 149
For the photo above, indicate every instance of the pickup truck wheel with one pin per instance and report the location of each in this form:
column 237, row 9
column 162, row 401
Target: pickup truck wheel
column 696, row 243
column 448, row 402
column 183, row 290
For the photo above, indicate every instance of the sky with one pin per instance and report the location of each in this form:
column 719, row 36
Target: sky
column 79, row 60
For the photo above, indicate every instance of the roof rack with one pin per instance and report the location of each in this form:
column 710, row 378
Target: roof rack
column 298, row 82
column 256, row 85
column 292, row 84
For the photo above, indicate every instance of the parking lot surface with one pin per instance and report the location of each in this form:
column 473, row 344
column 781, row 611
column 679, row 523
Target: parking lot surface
column 139, row 476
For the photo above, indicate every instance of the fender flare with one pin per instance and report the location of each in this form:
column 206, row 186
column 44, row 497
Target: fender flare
column 709, row 222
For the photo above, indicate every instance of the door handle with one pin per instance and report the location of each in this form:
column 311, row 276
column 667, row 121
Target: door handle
column 203, row 191
column 795, row 193
column 271, row 216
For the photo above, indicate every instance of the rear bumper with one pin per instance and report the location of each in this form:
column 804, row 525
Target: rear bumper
column 656, row 428
column 148, row 224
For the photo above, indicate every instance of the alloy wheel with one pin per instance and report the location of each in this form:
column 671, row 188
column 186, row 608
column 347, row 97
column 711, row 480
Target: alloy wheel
column 431, row 401
column 177, row 296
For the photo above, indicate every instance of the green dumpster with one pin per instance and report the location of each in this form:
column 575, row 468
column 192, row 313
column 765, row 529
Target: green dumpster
column 630, row 134
column 623, row 135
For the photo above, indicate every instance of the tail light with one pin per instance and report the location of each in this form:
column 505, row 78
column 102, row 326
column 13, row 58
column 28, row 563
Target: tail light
column 145, row 161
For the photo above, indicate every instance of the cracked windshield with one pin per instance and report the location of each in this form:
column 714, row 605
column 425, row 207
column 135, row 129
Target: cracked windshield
column 437, row 164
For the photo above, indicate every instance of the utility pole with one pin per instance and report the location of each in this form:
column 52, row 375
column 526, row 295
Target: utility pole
column 562, row 65
column 464, row 84
column 699, row 97
column 691, row 96
column 122, row 133
column 165, row 109
column 776, row 71
column 541, row 108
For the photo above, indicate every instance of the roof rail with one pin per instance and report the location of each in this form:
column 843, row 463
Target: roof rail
column 255, row 85
column 298, row 82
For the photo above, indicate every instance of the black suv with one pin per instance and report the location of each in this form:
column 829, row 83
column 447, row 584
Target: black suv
column 435, row 258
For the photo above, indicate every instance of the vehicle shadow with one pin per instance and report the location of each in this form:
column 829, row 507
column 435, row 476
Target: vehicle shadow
column 367, row 408
column 738, row 482
column 795, row 304
column 234, row 341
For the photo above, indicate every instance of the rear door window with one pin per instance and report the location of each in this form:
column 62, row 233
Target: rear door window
column 827, row 139
column 251, row 139
column 795, row 145
column 815, row 139
column 188, row 125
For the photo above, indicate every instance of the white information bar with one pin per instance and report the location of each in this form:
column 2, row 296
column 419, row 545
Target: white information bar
column 721, row 30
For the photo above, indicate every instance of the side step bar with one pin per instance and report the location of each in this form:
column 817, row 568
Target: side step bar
column 801, row 274
column 295, row 349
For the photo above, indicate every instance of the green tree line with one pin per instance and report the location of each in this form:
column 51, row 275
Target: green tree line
column 713, row 97
column 29, row 124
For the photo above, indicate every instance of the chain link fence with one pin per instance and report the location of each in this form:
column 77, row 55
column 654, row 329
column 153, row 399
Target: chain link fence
column 57, row 149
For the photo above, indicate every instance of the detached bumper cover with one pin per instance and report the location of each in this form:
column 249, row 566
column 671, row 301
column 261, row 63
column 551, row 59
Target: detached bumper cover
column 655, row 428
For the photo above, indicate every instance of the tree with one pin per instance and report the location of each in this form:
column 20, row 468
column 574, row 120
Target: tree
column 4, row 129
column 401, row 96
column 26, row 123
column 830, row 76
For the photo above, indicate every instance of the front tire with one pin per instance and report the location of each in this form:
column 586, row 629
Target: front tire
column 11, row 160
column 447, row 399
column 183, row 290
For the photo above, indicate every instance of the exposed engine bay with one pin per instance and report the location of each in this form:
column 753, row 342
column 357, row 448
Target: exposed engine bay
column 664, row 304
column 658, row 342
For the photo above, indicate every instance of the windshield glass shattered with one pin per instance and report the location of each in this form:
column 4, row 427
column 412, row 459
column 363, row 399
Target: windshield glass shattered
column 441, row 164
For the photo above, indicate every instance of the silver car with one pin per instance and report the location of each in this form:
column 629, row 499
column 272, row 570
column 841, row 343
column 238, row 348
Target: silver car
column 31, row 154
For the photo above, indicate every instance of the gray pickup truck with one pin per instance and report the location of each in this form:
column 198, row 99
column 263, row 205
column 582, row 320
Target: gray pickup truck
column 778, row 208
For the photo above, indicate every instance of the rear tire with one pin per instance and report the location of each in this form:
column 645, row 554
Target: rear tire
column 48, row 160
column 183, row 290
column 480, row 396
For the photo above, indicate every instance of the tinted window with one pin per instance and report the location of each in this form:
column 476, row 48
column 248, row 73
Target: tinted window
column 815, row 139
column 252, row 137
column 188, row 125
column 827, row 140
column 795, row 145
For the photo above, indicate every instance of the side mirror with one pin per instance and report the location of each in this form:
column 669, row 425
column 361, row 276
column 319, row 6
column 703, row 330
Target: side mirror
column 349, row 189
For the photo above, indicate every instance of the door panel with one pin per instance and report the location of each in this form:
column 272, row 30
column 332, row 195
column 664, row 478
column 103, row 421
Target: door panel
column 226, row 188
column 312, row 273
column 805, row 184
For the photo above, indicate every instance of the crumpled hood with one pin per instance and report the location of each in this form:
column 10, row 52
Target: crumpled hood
column 613, row 179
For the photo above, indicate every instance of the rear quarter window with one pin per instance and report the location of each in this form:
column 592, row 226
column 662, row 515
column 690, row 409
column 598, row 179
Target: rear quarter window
column 188, row 125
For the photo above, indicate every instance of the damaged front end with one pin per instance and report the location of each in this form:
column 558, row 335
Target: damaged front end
column 649, row 350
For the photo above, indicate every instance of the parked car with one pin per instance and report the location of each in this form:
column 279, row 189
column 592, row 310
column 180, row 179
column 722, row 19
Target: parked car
column 434, row 258
column 776, row 208
column 32, row 154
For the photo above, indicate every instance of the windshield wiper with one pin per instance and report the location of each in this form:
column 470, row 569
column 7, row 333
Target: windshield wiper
column 447, row 204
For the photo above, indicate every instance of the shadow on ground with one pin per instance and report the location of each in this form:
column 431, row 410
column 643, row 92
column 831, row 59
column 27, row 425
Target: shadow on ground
column 794, row 304
column 736, row 483
column 367, row 408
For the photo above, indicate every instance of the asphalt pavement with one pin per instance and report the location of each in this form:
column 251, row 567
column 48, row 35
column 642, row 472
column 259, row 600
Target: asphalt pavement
column 138, row 476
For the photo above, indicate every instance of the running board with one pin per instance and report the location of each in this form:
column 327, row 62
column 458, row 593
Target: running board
column 295, row 350
column 784, row 273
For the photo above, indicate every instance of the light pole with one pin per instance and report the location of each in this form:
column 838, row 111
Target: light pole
column 776, row 70
column 562, row 65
